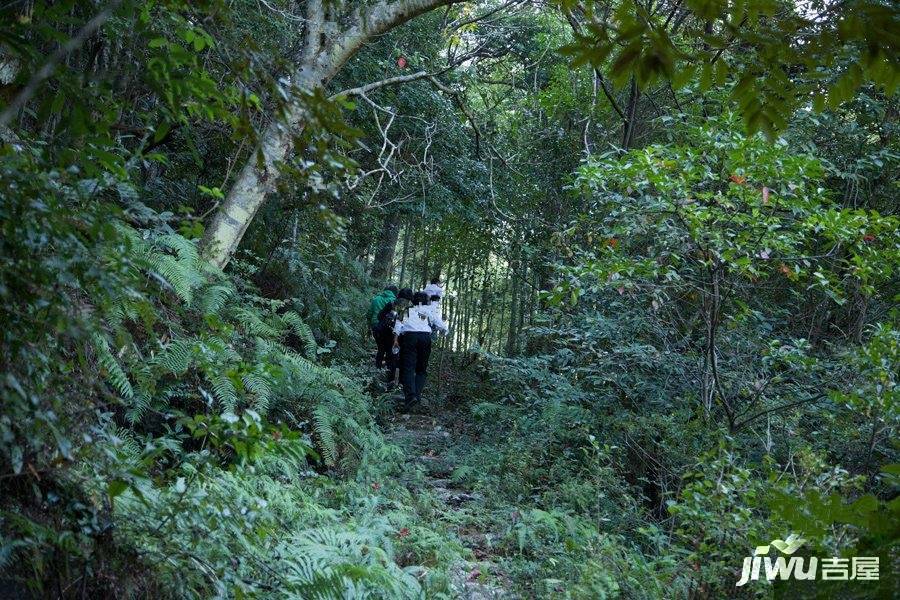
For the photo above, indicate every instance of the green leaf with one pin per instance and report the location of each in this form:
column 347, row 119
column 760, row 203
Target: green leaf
column 116, row 487
column 162, row 131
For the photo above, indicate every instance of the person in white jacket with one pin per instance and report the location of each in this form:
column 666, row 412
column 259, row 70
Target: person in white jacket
column 437, row 313
column 434, row 288
column 413, row 337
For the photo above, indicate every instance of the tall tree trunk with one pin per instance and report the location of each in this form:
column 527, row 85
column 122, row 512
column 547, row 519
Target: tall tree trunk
column 628, row 127
column 382, row 267
column 514, row 306
column 425, row 253
column 523, row 307
column 483, row 304
column 502, row 320
column 331, row 39
column 467, row 324
column 405, row 254
column 458, row 305
column 447, row 305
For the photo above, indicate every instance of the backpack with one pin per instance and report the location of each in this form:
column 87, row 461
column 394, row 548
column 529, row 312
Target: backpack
column 387, row 317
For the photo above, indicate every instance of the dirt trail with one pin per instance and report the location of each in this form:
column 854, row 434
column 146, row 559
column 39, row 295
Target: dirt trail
column 428, row 440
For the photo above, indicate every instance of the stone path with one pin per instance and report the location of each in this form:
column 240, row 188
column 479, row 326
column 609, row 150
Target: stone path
column 427, row 440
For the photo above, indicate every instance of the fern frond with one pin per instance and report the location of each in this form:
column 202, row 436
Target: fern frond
column 215, row 349
column 302, row 331
column 251, row 321
column 113, row 371
column 225, row 392
column 181, row 278
column 140, row 404
column 185, row 249
column 214, row 298
column 260, row 385
column 127, row 443
column 323, row 423
column 176, row 358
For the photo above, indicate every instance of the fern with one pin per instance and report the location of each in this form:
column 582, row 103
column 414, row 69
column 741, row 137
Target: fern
column 175, row 274
column 330, row 563
column 176, row 358
column 183, row 247
column 217, row 350
column 249, row 320
column 302, row 331
column 214, row 298
column 113, row 371
column 139, row 406
column 260, row 385
column 323, row 422
column 126, row 442
column 225, row 392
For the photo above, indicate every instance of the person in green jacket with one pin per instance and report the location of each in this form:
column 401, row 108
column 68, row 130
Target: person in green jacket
column 379, row 301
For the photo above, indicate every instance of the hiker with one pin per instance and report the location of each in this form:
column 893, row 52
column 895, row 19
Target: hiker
column 414, row 340
column 434, row 288
column 434, row 307
column 379, row 301
column 404, row 299
column 435, row 292
column 387, row 318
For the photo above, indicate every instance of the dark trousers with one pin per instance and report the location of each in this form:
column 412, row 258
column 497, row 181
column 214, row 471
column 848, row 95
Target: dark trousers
column 383, row 343
column 415, row 348
column 392, row 361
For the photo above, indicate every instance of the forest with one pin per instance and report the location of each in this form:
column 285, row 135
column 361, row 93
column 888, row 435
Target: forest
column 665, row 236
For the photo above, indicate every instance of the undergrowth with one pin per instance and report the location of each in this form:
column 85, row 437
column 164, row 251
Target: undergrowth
column 211, row 451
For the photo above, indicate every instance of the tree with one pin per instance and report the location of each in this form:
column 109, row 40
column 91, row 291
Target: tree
column 775, row 52
column 335, row 31
column 707, row 228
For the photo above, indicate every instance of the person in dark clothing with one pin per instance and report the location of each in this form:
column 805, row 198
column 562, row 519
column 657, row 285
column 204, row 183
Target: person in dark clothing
column 414, row 333
column 404, row 299
column 405, row 296
column 382, row 299
column 387, row 318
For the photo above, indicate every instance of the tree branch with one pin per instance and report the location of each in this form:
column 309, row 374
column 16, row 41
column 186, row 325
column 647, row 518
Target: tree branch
column 493, row 11
column 763, row 413
column 315, row 22
column 365, row 89
column 576, row 28
column 456, row 99
column 609, row 96
column 46, row 71
column 378, row 19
